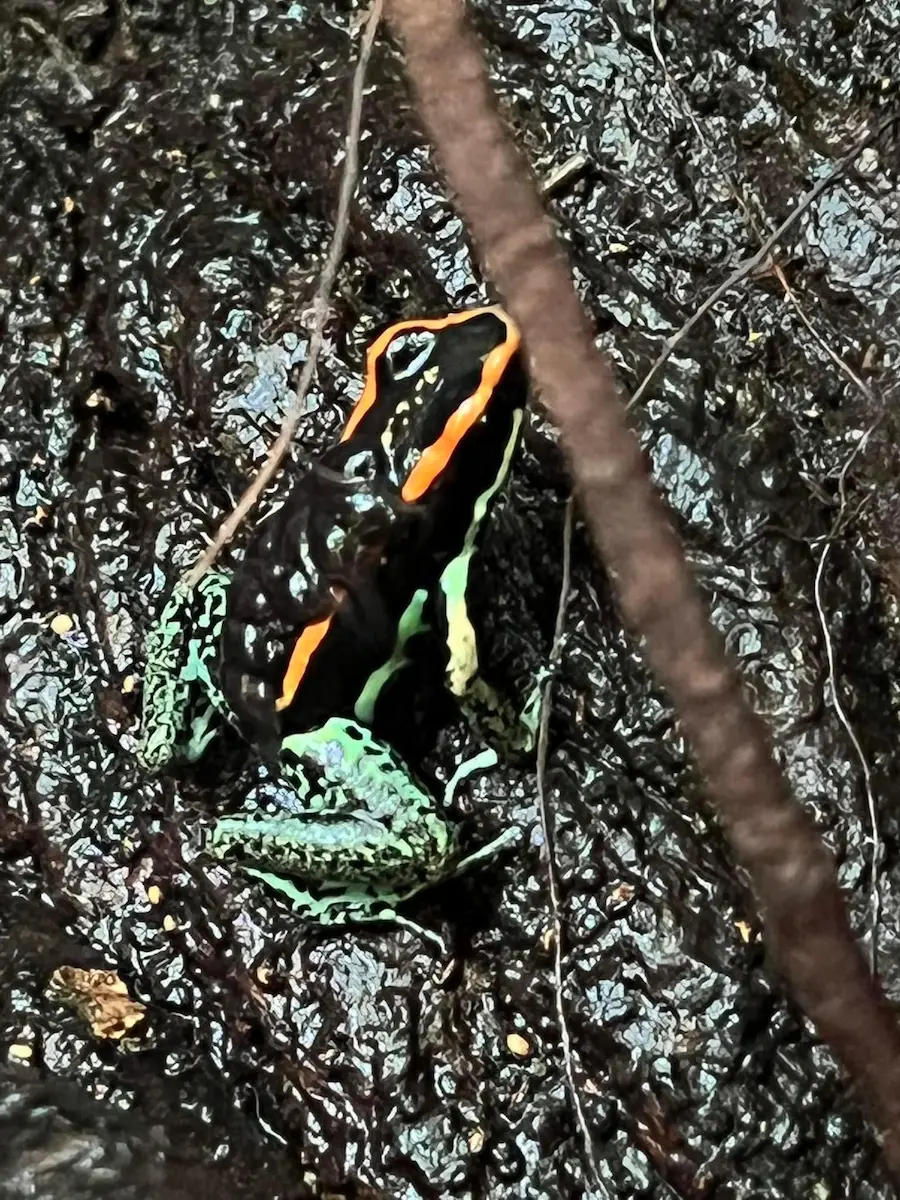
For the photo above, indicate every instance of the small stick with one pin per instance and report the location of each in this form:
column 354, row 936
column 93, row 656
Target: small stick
column 549, row 845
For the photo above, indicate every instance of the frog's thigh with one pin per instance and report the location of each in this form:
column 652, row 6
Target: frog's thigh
column 355, row 802
column 355, row 770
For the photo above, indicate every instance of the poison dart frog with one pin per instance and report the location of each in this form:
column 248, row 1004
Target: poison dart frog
column 371, row 550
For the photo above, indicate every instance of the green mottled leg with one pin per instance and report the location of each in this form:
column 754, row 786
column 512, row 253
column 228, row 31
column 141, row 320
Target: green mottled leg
column 347, row 818
column 179, row 650
column 166, row 693
column 346, row 906
column 346, row 833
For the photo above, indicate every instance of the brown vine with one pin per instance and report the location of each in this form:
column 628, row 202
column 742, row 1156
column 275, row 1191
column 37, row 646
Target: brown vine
column 793, row 873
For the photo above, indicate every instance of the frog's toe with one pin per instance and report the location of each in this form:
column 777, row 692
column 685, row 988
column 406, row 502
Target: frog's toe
column 479, row 762
column 440, row 943
column 509, row 837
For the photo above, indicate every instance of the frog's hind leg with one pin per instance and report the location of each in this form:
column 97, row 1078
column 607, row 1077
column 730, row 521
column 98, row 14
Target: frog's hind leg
column 345, row 904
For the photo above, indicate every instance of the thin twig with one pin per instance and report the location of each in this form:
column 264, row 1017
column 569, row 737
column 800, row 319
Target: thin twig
column 841, row 363
column 678, row 98
column 60, row 53
column 320, row 307
column 561, row 176
column 547, row 830
column 740, row 273
column 837, row 703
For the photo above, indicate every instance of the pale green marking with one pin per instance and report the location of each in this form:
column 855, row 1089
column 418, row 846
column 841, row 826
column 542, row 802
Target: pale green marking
column 479, row 762
column 461, row 640
column 508, row 837
column 409, row 625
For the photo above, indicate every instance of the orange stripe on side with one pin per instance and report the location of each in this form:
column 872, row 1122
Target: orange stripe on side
column 436, row 456
column 304, row 648
column 378, row 347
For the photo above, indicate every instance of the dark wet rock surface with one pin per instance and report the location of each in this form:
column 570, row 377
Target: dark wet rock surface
column 169, row 172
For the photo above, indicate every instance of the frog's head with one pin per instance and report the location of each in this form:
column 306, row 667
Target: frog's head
column 443, row 407
column 439, row 392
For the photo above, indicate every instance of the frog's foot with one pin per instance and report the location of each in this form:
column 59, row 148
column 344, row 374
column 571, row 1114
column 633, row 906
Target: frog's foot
column 494, row 718
column 478, row 762
column 346, row 905
column 204, row 725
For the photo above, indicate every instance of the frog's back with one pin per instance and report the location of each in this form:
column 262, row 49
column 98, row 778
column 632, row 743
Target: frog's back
column 304, row 624
column 314, row 608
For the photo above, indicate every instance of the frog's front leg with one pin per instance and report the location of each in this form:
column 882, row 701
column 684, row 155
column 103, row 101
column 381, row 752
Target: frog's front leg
column 181, row 701
column 489, row 713
column 493, row 716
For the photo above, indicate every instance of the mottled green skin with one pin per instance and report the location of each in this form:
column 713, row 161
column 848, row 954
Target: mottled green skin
column 181, row 700
column 379, row 835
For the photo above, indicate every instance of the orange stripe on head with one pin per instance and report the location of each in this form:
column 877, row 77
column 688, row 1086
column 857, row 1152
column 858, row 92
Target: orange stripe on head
column 304, row 648
column 436, row 456
column 381, row 343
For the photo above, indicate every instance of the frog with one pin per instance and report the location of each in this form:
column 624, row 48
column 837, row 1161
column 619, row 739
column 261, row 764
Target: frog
column 369, row 554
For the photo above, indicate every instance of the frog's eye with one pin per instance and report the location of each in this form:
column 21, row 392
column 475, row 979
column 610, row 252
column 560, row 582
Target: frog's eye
column 407, row 354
